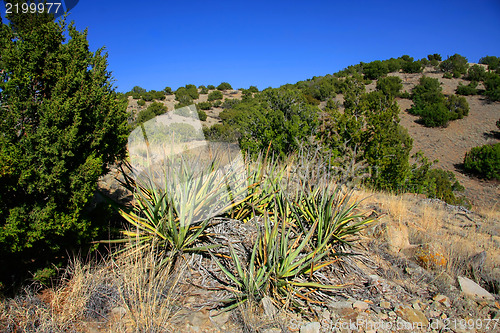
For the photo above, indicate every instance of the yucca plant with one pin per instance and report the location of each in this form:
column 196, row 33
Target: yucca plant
column 174, row 204
column 334, row 213
column 281, row 265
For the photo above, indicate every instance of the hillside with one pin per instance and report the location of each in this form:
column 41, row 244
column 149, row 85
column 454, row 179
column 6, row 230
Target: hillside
column 305, row 250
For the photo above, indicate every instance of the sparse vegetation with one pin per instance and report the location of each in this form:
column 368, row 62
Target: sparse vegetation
column 484, row 161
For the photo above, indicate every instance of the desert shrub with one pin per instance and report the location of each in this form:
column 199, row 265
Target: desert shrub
column 141, row 102
column 211, row 87
column 215, row 95
column 492, row 62
column 435, row 115
column 230, row 103
column 406, row 58
column 390, row 85
column 424, row 62
column 492, row 84
column 442, row 184
column 412, row 67
column 61, row 129
column 456, row 64
column 375, row 69
column 202, row 115
column 457, row 107
column 476, row 73
column 484, row 161
column 221, row 132
column 405, row 94
column 203, row 90
column 144, row 116
column 168, row 91
column 217, row 103
column 183, row 96
column 311, row 100
column 138, row 90
column 393, row 65
column 253, row 89
column 157, row 108
column 467, row 90
column 204, row 105
column 435, row 56
column 447, row 76
column 224, row 86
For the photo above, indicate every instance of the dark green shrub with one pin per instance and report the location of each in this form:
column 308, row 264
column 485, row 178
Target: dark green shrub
column 157, row 108
column 221, row 132
column 406, row 58
column 141, row 102
column 435, row 56
column 224, row 86
column 455, row 64
column 442, row 184
column 390, row 85
column 467, row 90
column 138, row 90
column 145, row 115
column 393, row 65
column 61, row 130
column 447, row 75
column 215, row 95
column 253, row 89
column 412, row 67
column 484, row 161
column 435, row 115
column 492, row 62
column 202, row 115
column 204, row 105
column 230, row 103
column 183, row 96
column 492, row 84
column 405, row 95
column 476, row 73
column 168, row 91
column 211, row 87
column 217, row 103
column 375, row 69
column 458, row 107
column 203, row 90
column 311, row 100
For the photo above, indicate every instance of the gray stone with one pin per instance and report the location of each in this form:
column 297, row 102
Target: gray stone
column 360, row 305
column 313, row 327
column 339, row 305
column 473, row 290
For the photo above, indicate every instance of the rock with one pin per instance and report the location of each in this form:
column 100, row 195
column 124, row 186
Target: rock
column 269, row 309
column 360, row 305
column 473, row 290
column 383, row 316
column 431, row 255
column 434, row 313
column 200, row 318
column 313, row 327
column 118, row 312
column 397, row 237
column 219, row 318
column 443, row 300
column 339, row 305
column 385, row 305
column 412, row 315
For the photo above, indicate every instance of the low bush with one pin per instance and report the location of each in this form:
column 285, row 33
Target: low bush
column 390, row 85
column 215, row 95
column 476, row 73
column 467, row 90
column 141, row 102
column 204, row 105
column 484, row 161
column 224, row 86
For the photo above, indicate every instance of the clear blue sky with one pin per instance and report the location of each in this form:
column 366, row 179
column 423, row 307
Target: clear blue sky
column 155, row 44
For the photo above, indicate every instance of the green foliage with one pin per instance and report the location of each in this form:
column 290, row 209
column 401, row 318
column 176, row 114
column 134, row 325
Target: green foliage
column 492, row 62
column 203, row 90
column 168, row 91
column 442, row 184
column 217, row 103
column 230, row 103
column 215, row 95
column 204, row 105
column 224, row 86
column 492, row 84
column 253, row 89
column 412, row 67
column 390, row 85
column 157, row 108
column 375, row 70
column 221, row 133
column 211, row 87
column 433, row 108
column 61, row 128
column 470, row 89
column 202, row 115
column 144, row 116
column 435, row 56
column 476, row 73
column 138, row 90
column 448, row 76
column 456, row 64
column 484, row 161
column 141, row 102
